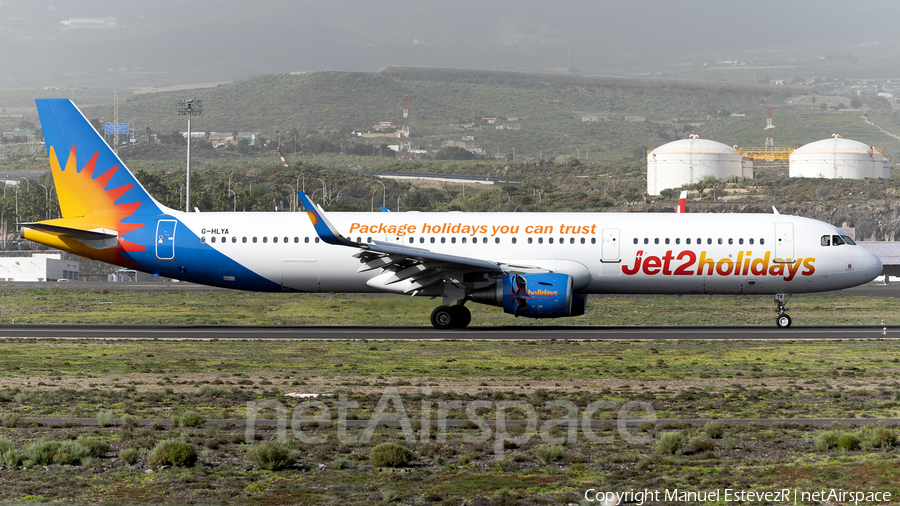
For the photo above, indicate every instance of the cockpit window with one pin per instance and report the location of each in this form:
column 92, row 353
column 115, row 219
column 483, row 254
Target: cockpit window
column 836, row 240
column 848, row 240
column 826, row 240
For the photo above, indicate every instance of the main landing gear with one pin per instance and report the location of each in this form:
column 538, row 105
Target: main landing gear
column 782, row 320
column 451, row 317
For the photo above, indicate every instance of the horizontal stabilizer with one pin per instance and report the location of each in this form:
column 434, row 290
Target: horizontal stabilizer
column 71, row 232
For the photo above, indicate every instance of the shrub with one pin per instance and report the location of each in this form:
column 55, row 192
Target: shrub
column 172, row 452
column 191, row 419
column 129, row 456
column 670, row 443
column 106, row 419
column 46, row 452
column 340, row 463
column 548, row 454
column 702, row 444
column 714, row 429
column 875, row 436
column 270, row 456
column 390, row 455
column 22, row 397
column 12, row 458
column 848, row 441
column 6, row 444
column 827, row 440
column 97, row 447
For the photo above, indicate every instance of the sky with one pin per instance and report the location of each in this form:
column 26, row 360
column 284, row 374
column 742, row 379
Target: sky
column 170, row 42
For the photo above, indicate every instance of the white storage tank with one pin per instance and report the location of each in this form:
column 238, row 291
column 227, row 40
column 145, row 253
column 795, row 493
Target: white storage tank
column 838, row 158
column 687, row 161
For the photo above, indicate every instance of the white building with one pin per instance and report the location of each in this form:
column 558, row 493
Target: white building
column 38, row 267
column 838, row 158
column 687, row 161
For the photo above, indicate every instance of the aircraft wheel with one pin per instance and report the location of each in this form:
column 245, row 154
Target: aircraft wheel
column 461, row 316
column 442, row 317
column 783, row 321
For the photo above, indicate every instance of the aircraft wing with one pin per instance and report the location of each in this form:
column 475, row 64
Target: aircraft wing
column 419, row 267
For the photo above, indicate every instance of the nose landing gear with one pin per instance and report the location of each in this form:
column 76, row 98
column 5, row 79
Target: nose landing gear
column 782, row 320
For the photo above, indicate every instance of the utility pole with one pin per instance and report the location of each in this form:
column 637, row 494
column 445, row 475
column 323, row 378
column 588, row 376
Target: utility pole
column 188, row 107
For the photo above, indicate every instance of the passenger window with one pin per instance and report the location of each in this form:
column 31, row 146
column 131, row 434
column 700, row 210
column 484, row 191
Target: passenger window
column 582, row 240
column 266, row 239
column 274, row 239
column 835, row 241
column 529, row 240
column 677, row 240
column 540, row 240
column 443, row 240
column 254, row 240
column 709, row 240
column 593, row 240
column 317, row 240
column 202, row 240
column 550, row 240
column 213, row 239
column 484, row 240
column 421, row 240
column 656, row 240
column 687, row 241
column 463, row 240
column 285, row 240
column 513, row 240
column 411, row 240
column 730, row 241
column 233, row 239
column 453, row 240
column 762, row 241
column 244, row 240
column 297, row 239
column 305, row 239
column 720, row 240
column 646, row 241
column 432, row 240
column 826, row 240
column 751, row 240
column 635, row 240
column 741, row 241
column 667, row 240
column 496, row 240
column 369, row 240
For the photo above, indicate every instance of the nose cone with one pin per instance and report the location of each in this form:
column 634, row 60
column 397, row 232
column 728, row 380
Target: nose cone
column 871, row 265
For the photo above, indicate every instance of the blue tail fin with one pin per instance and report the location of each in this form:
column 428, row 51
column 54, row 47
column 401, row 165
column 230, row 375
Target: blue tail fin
column 90, row 178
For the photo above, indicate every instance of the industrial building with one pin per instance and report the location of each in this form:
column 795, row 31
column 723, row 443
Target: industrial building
column 839, row 158
column 38, row 267
column 687, row 161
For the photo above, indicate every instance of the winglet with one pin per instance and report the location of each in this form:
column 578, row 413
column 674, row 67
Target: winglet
column 324, row 228
column 385, row 210
column 682, row 203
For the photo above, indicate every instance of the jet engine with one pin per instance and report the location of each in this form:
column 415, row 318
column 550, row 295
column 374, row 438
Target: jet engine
column 547, row 295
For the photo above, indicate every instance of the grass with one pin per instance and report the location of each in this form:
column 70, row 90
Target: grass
column 247, row 308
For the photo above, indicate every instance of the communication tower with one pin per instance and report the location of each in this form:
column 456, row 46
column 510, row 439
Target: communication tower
column 404, row 130
column 770, row 140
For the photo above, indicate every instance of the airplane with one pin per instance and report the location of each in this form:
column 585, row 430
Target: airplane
column 536, row 265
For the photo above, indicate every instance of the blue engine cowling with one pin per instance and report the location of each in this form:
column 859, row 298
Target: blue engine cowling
column 534, row 295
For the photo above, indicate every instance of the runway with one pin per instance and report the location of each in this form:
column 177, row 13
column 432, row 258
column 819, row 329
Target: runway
column 525, row 333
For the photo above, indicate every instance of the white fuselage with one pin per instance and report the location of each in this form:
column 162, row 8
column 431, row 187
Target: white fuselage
column 603, row 252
